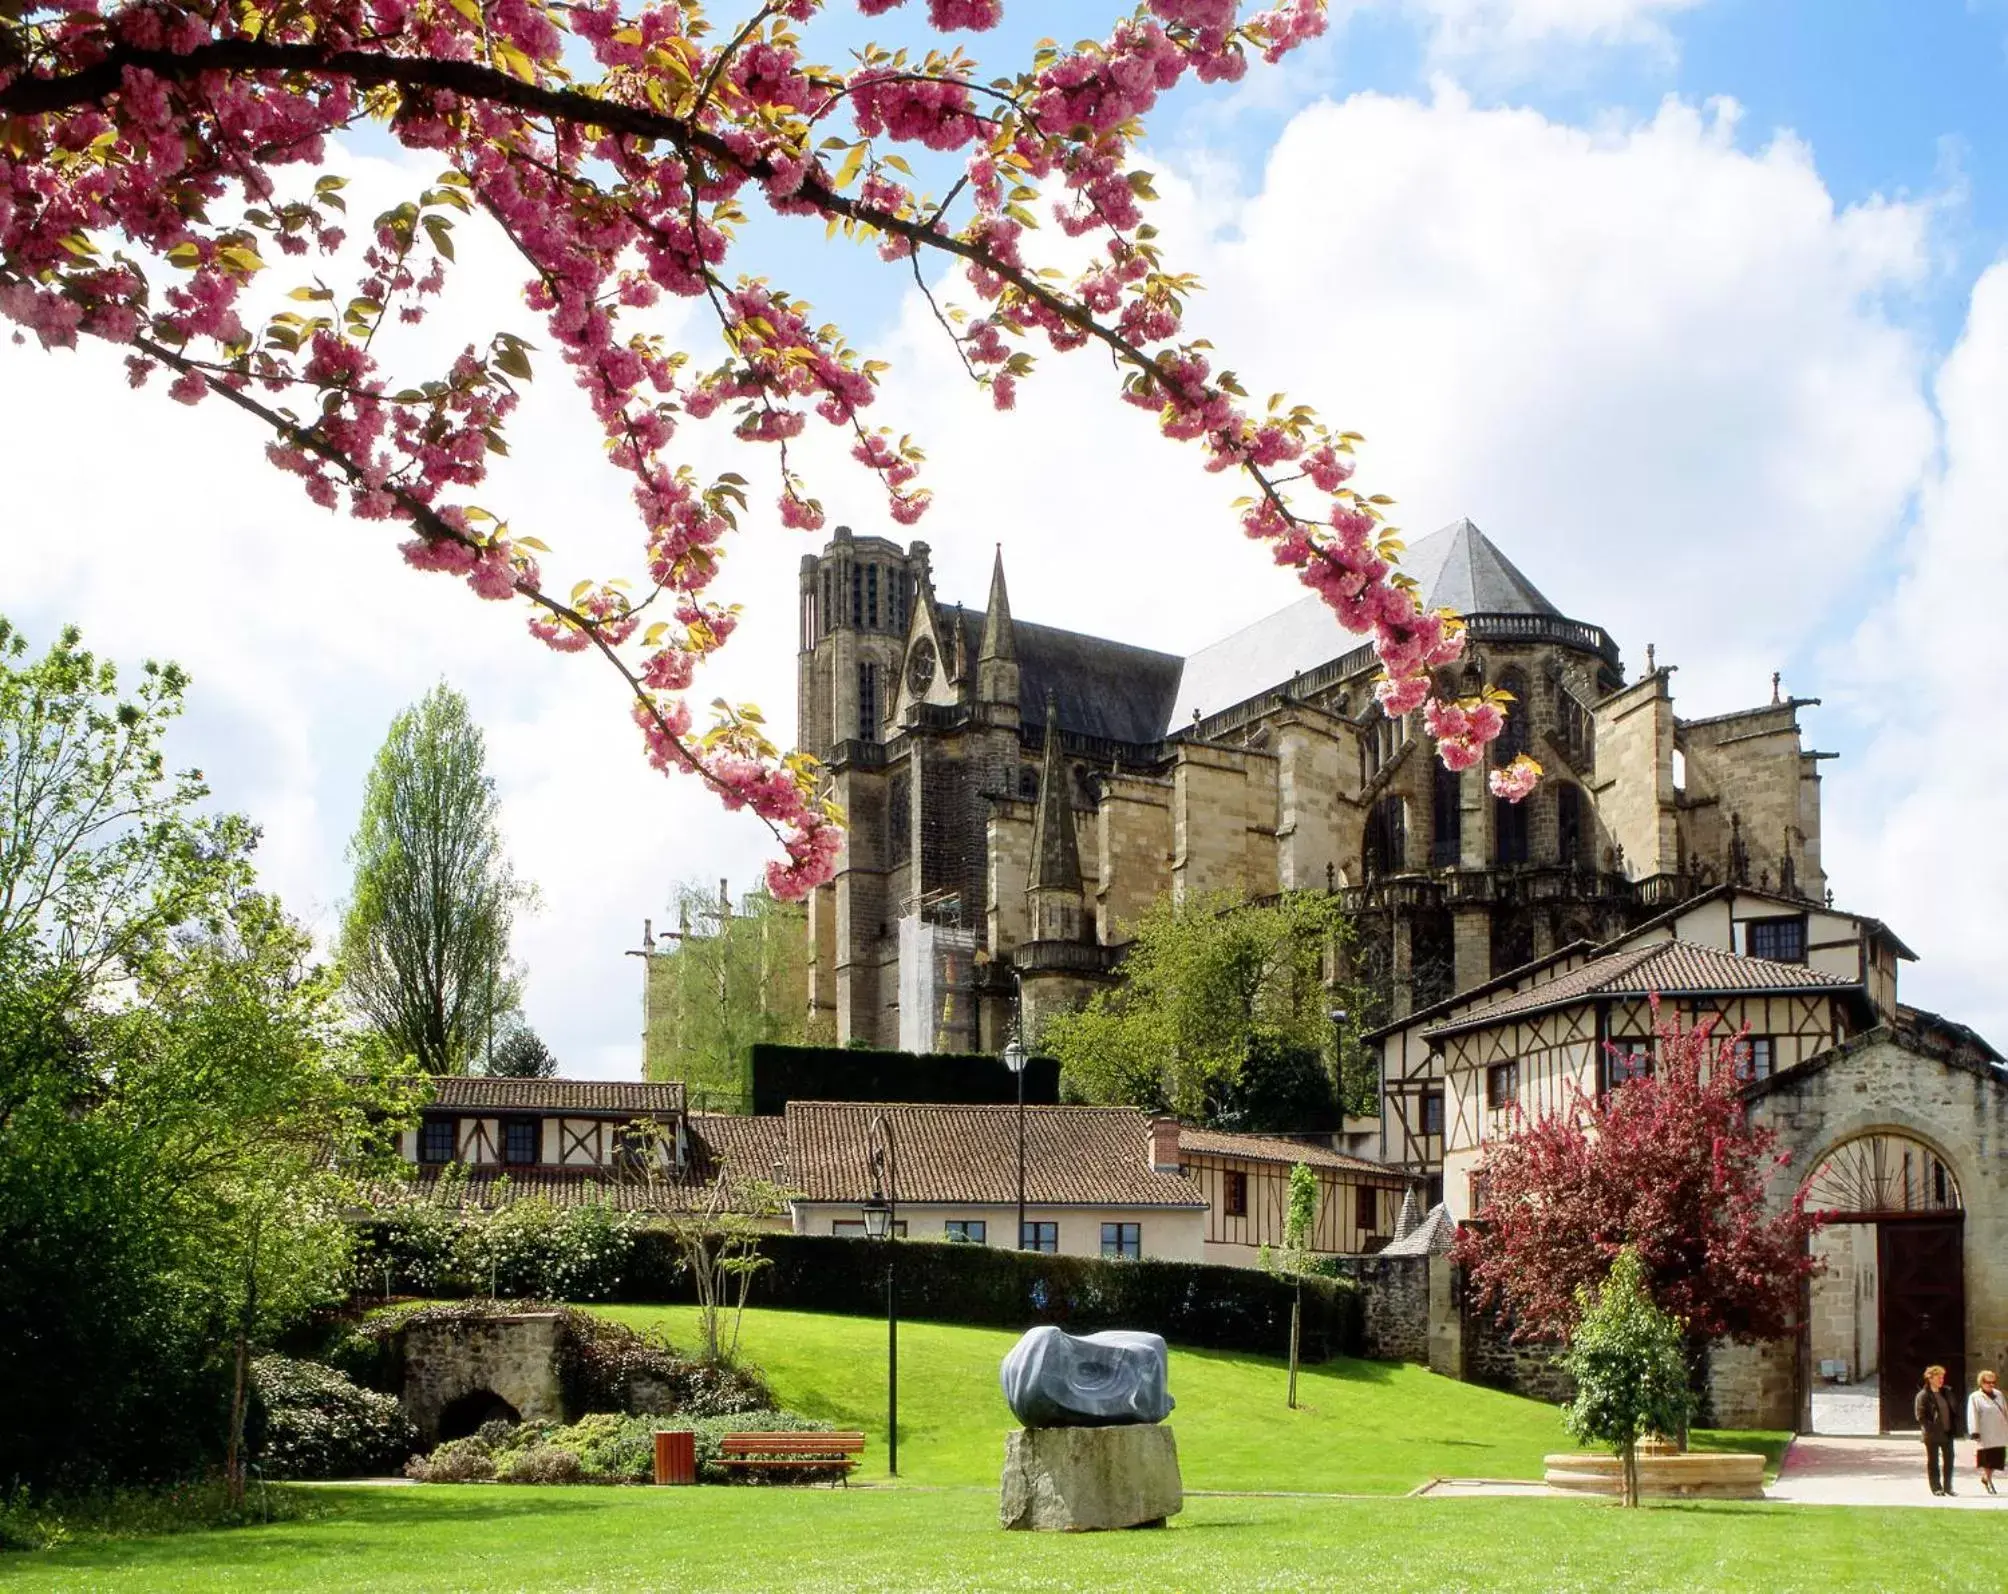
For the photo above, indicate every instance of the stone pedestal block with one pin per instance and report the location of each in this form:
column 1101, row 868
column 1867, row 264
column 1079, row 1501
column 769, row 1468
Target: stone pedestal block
column 1077, row 1480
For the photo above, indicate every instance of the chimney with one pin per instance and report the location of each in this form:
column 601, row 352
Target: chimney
column 1164, row 1145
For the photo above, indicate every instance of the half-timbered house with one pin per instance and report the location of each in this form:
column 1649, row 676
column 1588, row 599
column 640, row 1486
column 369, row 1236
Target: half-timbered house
column 1245, row 1180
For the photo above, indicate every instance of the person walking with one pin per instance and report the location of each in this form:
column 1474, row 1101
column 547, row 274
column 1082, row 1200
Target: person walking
column 1987, row 1421
column 1933, row 1409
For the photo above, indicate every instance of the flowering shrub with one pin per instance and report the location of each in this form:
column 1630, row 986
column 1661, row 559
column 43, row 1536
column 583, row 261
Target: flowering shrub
column 540, row 1464
column 314, row 1423
column 148, row 166
column 528, row 1247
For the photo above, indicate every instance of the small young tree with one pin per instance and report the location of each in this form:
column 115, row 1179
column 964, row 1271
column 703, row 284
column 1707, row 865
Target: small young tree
column 1294, row 1260
column 1668, row 1165
column 719, row 1244
column 1630, row 1366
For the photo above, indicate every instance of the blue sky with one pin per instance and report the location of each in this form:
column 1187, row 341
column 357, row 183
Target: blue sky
column 1696, row 306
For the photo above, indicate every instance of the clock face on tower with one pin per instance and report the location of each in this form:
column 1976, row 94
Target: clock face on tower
column 920, row 667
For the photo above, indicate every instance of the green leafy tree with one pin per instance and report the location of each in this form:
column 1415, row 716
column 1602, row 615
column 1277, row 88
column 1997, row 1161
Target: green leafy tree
column 730, row 978
column 100, row 845
column 1629, row 1361
column 425, row 943
column 1219, row 1004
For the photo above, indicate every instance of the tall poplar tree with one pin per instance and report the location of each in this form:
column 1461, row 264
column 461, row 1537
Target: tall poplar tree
column 425, row 942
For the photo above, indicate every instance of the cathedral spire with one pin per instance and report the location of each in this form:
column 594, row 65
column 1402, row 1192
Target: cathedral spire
column 998, row 641
column 1056, row 854
column 997, row 678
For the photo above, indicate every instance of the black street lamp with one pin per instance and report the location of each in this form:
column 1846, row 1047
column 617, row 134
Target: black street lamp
column 1015, row 1059
column 881, row 1215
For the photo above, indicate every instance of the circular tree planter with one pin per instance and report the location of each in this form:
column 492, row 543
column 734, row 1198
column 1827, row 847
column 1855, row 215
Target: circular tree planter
column 1725, row 1475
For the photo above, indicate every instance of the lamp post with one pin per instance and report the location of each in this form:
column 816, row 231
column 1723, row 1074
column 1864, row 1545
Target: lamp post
column 1338, row 1017
column 1015, row 1059
column 881, row 1215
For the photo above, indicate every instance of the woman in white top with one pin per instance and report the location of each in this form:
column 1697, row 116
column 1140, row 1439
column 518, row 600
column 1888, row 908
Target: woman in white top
column 1987, row 1421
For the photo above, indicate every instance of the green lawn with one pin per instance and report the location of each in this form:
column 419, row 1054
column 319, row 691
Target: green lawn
column 495, row 1539
column 1360, row 1428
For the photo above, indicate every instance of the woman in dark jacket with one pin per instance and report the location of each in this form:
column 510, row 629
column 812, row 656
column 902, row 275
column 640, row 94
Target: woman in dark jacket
column 1933, row 1408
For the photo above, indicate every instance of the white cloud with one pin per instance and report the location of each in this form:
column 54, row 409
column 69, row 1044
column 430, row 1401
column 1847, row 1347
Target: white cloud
column 1510, row 37
column 1918, row 818
column 1655, row 366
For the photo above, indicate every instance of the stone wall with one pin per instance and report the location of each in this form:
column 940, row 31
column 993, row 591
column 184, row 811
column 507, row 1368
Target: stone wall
column 1394, row 1305
column 1492, row 1358
column 1897, row 1081
column 1751, row 1386
column 515, row 1358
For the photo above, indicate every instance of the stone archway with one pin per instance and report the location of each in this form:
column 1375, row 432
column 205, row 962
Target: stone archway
column 480, row 1368
column 1892, row 1297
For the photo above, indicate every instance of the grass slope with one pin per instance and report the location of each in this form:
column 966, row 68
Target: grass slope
column 1360, row 1428
column 494, row 1539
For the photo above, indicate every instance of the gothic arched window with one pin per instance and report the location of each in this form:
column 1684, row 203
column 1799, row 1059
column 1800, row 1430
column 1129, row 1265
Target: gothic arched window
column 1446, row 839
column 1518, row 735
column 1569, row 822
column 1385, row 850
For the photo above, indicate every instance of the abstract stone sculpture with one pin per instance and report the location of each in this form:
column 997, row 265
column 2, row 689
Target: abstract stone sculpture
column 1057, row 1380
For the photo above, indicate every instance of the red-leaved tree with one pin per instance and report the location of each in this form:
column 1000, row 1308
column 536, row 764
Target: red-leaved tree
column 157, row 157
column 1668, row 1164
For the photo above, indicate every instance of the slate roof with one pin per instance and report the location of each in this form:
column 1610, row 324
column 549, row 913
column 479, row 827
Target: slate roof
column 1075, row 1156
column 1458, row 567
column 1102, row 688
column 1666, row 968
column 1269, row 1148
column 1431, row 1237
column 1461, row 568
column 591, row 1097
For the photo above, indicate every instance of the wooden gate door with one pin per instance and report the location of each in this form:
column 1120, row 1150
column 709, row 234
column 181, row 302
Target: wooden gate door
column 1922, row 1311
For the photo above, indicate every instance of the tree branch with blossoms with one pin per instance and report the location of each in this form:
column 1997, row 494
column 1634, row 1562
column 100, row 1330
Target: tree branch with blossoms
column 144, row 150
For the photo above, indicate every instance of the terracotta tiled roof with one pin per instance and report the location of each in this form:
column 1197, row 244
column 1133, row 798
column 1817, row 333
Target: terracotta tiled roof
column 563, row 1187
column 1267, row 1148
column 1074, row 1156
column 629, row 1097
column 1666, row 968
column 746, row 1147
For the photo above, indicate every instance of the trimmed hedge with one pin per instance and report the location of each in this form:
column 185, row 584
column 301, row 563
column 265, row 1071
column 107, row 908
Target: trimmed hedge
column 782, row 1074
column 1189, row 1303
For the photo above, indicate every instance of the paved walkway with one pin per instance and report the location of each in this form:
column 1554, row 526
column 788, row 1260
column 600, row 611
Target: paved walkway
column 1849, row 1408
column 1820, row 1469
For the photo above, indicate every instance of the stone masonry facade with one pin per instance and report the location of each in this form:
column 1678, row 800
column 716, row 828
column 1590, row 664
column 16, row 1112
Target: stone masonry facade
column 1260, row 764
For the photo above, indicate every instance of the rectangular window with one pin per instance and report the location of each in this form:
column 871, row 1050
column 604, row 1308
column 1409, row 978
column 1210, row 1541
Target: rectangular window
column 1432, row 1191
column 854, row 1229
column 1122, row 1240
column 1477, row 1194
column 1040, row 1237
column 1502, row 1085
column 857, row 595
column 1756, row 1056
column 1509, row 828
column 1625, row 1059
column 964, row 1231
column 522, row 1141
column 1234, row 1195
column 1780, row 940
column 436, row 1138
column 1432, row 1112
column 871, row 597
column 1446, row 841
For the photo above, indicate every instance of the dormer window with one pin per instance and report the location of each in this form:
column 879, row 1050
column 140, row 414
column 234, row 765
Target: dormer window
column 522, row 1141
column 436, row 1140
column 1782, row 940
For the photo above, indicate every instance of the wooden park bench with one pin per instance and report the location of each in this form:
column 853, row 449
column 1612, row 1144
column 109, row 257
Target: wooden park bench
column 838, row 1451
